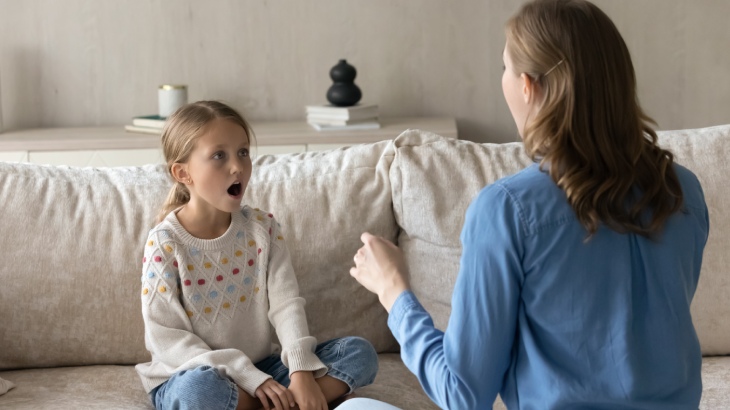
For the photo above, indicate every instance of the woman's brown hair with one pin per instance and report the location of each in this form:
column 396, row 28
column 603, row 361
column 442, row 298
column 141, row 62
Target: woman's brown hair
column 589, row 131
column 179, row 135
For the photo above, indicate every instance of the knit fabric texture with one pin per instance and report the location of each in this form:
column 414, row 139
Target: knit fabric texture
column 213, row 302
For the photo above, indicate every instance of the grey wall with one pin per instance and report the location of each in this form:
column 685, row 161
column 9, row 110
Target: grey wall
column 98, row 62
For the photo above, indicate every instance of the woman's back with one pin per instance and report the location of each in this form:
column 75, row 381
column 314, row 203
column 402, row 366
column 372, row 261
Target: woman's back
column 577, row 274
column 604, row 322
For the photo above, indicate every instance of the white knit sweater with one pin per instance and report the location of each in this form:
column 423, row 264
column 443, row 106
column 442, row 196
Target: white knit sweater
column 212, row 302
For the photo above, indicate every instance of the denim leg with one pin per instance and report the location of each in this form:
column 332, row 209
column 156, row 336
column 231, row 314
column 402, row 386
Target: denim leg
column 274, row 367
column 351, row 360
column 199, row 388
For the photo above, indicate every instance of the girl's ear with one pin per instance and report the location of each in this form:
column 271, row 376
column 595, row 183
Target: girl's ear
column 528, row 86
column 180, row 173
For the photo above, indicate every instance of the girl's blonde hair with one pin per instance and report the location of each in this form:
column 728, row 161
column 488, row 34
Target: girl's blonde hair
column 179, row 136
column 590, row 132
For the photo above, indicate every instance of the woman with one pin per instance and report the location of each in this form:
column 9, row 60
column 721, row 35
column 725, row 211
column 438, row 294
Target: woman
column 577, row 273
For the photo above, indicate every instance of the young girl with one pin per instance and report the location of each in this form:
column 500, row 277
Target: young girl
column 216, row 276
column 577, row 273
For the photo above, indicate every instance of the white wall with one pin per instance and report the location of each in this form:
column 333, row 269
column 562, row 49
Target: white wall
column 98, row 62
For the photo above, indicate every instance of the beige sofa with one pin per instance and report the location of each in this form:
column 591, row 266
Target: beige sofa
column 71, row 247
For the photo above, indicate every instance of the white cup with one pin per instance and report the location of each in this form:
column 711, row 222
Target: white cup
column 170, row 97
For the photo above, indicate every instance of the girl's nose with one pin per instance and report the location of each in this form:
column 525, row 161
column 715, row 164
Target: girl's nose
column 236, row 167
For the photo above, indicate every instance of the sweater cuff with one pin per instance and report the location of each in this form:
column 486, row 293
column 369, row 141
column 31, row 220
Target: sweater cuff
column 304, row 360
column 251, row 379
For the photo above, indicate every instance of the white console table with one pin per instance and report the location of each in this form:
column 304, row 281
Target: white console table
column 113, row 146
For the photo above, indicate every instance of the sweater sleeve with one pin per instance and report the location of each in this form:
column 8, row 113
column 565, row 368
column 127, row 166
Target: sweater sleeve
column 169, row 333
column 286, row 310
column 463, row 368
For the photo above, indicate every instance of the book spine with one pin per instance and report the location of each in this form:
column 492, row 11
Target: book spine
column 363, row 126
column 143, row 130
column 329, row 121
column 347, row 117
column 140, row 122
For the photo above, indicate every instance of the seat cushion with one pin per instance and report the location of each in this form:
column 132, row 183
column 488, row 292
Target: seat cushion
column 83, row 387
column 715, row 383
column 395, row 385
column 118, row 387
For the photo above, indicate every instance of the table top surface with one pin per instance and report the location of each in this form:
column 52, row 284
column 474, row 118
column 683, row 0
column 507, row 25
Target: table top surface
column 267, row 133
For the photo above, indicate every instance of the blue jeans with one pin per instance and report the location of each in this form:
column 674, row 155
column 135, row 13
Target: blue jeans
column 349, row 359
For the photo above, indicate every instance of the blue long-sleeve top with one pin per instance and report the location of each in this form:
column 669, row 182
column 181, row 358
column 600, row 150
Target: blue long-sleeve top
column 551, row 321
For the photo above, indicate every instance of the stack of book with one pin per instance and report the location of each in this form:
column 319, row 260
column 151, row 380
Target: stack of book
column 146, row 124
column 327, row 117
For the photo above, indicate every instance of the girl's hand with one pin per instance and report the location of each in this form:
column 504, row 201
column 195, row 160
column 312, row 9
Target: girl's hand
column 281, row 398
column 381, row 269
column 307, row 393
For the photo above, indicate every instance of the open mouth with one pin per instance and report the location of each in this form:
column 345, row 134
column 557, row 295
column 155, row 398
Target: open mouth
column 235, row 189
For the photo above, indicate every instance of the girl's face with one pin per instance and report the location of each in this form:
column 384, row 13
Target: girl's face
column 517, row 92
column 219, row 168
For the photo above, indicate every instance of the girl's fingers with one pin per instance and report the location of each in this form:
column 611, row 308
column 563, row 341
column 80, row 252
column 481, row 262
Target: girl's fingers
column 290, row 396
column 262, row 398
column 276, row 398
column 286, row 397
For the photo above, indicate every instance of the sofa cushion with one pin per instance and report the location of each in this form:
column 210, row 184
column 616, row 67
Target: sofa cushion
column 324, row 201
column 705, row 152
column 5, row 385
column 72, row 243
column 82, row 387
column 117, row 387
column 434, row 179
column 107, row 387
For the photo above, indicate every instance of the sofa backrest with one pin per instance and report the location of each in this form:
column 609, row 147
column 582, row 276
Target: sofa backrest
column 71, row 244
column 434, row 179
column 71, row 239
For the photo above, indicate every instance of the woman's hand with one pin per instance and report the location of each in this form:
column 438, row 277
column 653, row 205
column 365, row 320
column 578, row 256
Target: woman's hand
column 381, row 269
column 281, row 398
column 306, row 391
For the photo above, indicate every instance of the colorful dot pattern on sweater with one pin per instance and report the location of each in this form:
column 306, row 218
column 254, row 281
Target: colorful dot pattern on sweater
column 222, row 301
column 211, row 283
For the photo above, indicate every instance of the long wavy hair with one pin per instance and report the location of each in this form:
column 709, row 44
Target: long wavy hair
column 179, row 136
column 589, row 131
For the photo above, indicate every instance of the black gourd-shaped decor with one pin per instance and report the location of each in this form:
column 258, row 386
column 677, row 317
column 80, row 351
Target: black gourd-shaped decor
column 344, row 92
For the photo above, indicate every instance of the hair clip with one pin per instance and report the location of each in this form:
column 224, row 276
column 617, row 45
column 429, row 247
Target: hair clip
column 554, row 67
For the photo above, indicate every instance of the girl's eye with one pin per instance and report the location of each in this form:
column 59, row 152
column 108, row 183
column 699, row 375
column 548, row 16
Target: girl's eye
column 243, row 152
column 218, row 155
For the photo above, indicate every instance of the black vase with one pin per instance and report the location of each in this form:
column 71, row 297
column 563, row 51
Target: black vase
column 344, row 92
